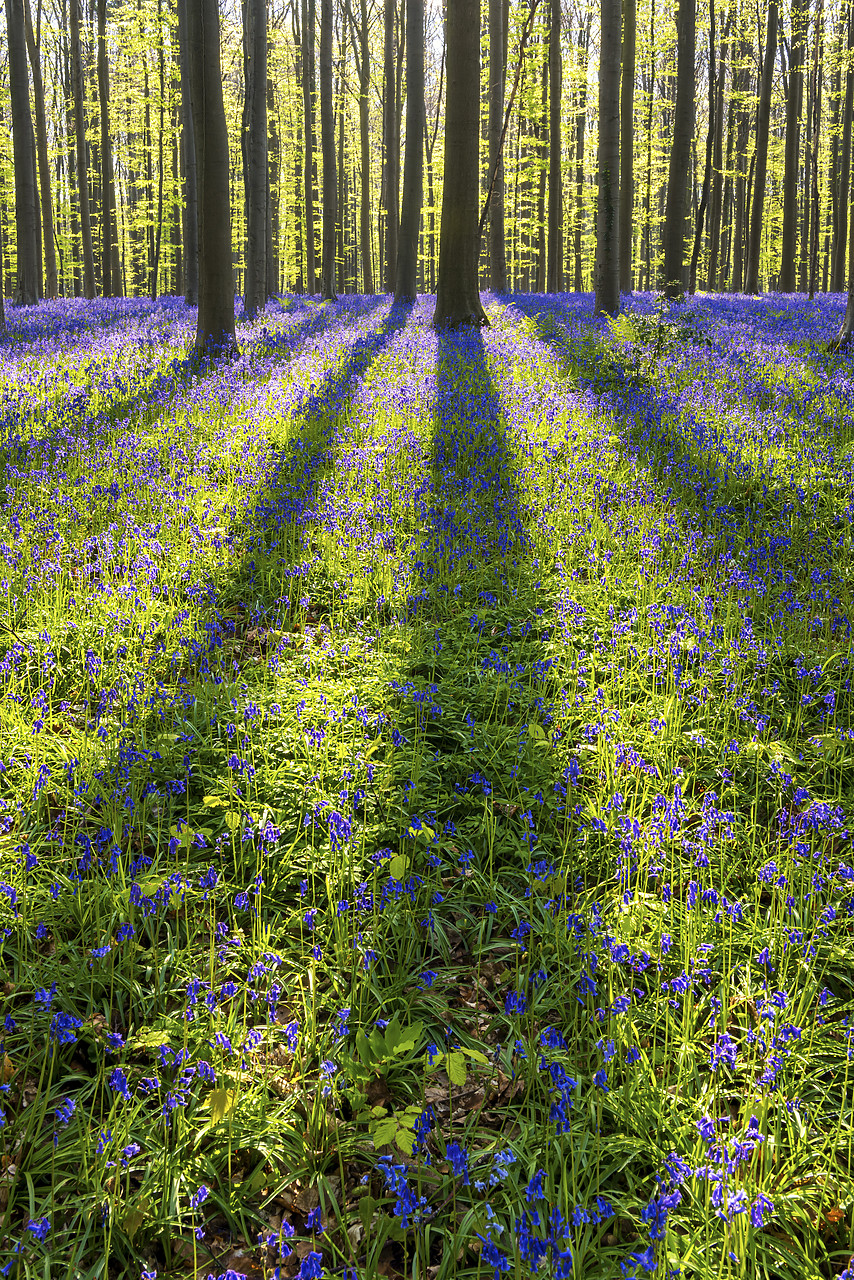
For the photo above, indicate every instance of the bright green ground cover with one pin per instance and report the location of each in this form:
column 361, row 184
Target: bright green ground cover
column 426, row 793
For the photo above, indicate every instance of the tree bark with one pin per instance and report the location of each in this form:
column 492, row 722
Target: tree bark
column 458, row 298
column 496, row 249
column 707, row 172
column 815, row 102
column 554, row 266
column 43, row 158
column 391, row 144
column 254, row 140
column 680, row 153
column 751, row 284
column 215, row 326
column 580, row 128
column 23, row 146
column 191, row 208
column 608, row 207
column 110, row 274
column 627, row 144
column 716, row 199
column 273, row 169
column 792, row 150
column 327, row 148
column 364, row 73
column 308, row 114
column 840, row 243
column 413, row 160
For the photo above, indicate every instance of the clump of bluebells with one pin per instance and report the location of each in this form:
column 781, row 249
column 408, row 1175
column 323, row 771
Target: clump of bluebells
column 424, row 764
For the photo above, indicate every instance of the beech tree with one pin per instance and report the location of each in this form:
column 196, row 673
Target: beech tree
column 608, row 206
column 680, row 152
column 215, row 326
column 254, row 141
column 413, row 163
column 457, row 295
column 751, row 284
column 26, row 208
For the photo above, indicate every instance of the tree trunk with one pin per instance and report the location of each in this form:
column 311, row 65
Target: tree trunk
column 215, row 327
column 554, row 271
column 191, row 211
column 254, row 140
column 110, row 278
column 680, row 153
column 161, row 63
column 391, row 144
column 580, row 127
column 542, row 164
column 751, row 284
column 627, row 144
column 707, row 172
column 413, row 160
column 792, row 150
column 308, row 169
column 608, row 207
column 815, row 103
column 457, row 297
column 26, row 208
column 327, row 148
column 496, row 249
column 273, row 167
column 43, row 158
column 365, row 148
column 840, row 243
column 716, row 199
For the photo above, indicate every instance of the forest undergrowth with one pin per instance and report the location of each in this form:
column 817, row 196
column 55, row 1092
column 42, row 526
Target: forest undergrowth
column 426, row 792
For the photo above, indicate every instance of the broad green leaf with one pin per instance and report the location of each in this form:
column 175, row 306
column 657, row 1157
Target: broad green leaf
column 221, row 1102
column 455, row 1065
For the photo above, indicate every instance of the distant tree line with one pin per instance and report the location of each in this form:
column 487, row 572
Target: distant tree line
column 326, row 146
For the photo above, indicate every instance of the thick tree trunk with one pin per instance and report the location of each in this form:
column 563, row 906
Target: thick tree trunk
column 627, row 144
column 457, row 297
column 254, row 140
column 554, row 267
column 792, row 150
column 413, row 160
column 751, row 284
column 215, row 327
column 50, row 280
column 391, row 144
column 23, row 145
column 680, row 153
column 707, row 172
column 191, row 209
column 496, row 249
column 815, row 103
column 308, row 167
column 161, row 65
column 327, row 147
column 365, row 148
column 608, row 207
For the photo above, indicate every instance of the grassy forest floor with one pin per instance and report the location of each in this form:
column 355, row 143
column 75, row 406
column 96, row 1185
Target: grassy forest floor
column 426, row 792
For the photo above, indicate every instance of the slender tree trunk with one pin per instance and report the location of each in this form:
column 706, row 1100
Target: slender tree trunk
column 627, row 144
column 391, row 144
column 215, row 327
column 542, row 163
column 42, row 153
column 458, row 298
column 707, row 172
column 755, row 239
column 496, row 248
column 792, row 150
column 327, row 147
column 273, row 171
column 840, row 245
column 429, row 148
column 254, row 139
column 580, row 127
column 365, row 148
column 815, row 103
column 413, row 160
column 608, row 208
column 23, row 143
column 161, row 64
column 554, row 267
column 190, row 209
column 715, row 202
column 680, row 154
column 341, row 187
column 308, row 113
column 647, row 203
column 110, row 279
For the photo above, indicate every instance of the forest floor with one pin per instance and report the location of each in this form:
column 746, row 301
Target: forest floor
column 426, row 792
